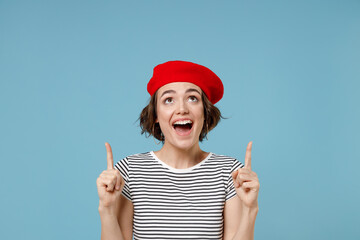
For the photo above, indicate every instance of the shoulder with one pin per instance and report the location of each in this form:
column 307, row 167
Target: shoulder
column 138, row 157
column 226, row 161
column 222, row 157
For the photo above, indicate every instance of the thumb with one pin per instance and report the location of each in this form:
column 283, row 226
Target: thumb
column 234, row 174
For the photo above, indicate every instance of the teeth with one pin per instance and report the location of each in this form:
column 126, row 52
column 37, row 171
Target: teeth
column 183, row 122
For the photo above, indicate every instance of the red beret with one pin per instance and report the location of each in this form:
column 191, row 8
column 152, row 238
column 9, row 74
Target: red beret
column 181, row 71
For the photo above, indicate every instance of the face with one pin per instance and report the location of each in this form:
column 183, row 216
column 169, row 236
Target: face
column 180, row 113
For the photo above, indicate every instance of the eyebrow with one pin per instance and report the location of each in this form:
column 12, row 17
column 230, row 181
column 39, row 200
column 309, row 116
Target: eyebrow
column 173, row 91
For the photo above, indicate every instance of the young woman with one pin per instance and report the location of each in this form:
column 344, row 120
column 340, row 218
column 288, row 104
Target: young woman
column 180, row 191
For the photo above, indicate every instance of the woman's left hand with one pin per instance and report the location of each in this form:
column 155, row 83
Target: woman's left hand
column 246, row 182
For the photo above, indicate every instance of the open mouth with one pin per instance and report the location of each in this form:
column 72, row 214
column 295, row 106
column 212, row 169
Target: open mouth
column 183, row 127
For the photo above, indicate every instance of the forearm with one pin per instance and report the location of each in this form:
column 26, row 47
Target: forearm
column 110, row 228
column 246, row 228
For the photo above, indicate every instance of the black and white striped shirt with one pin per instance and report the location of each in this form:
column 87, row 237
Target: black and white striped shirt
column 172, row 203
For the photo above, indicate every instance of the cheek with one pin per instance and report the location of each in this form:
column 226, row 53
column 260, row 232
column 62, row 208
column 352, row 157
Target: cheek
column 163, row 115
column 200, row 115
column 201, row 123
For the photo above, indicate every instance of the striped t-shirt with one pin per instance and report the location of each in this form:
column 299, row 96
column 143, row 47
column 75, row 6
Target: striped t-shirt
column 172, row 203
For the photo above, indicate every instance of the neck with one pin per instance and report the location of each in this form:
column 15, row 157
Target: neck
column 181, row 158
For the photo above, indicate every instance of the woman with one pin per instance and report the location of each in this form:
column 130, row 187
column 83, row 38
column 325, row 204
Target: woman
column 179, row 191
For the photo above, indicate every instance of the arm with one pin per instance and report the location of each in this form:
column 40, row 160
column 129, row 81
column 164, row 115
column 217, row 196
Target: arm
column 110, row 228
column 125, row 218
column 116, row 212
column 240, row 211
column 239, row 220
column 246, row 228
column 117, row 226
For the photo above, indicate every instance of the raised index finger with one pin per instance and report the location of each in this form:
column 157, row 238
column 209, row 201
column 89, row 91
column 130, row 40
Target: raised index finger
column 248, row 156
column 110, row 161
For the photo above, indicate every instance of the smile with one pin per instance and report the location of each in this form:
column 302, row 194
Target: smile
column 183, row 127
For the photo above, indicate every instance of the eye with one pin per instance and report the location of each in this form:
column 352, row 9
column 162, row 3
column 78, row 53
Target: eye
column 168, row 100
column 193, row 99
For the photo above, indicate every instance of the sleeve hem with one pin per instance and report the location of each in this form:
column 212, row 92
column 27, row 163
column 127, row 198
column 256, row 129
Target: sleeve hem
column 125, row 195
column 230, row 196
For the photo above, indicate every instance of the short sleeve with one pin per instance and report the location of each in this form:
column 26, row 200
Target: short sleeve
column 230, row 189
column 123, row 167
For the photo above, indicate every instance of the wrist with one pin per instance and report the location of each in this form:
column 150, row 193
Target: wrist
column 107, row 217
column 250, row 210
column 106, row 211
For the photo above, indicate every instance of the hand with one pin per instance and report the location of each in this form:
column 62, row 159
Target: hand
column 246, row 182
column 109, row 184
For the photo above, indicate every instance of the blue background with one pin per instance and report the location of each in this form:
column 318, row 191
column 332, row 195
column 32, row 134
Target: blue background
column 74, row 74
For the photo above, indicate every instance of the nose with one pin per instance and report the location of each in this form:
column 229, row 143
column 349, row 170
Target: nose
column 182, row 108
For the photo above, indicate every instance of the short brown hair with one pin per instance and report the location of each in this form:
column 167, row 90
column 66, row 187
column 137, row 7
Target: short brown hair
column 212, row 117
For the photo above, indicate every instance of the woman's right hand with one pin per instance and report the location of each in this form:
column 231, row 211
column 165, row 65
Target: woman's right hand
column 109, row 185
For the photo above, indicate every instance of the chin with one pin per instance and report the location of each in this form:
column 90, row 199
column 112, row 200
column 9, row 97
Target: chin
column 186, row 144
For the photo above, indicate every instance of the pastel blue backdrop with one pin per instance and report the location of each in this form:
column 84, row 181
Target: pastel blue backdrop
column 74, row 74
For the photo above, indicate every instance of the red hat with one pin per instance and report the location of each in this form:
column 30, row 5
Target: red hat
column 181, row 71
